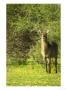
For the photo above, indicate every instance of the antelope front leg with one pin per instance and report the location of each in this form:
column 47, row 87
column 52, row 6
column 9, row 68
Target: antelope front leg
column 49, row 65
column 46, row 63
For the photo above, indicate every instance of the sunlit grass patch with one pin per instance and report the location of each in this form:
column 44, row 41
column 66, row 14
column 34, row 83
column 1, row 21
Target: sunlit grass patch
column 28, row 75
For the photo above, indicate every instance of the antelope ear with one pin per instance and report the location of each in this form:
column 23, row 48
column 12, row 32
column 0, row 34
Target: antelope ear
column 39, row 31
column 47, row 31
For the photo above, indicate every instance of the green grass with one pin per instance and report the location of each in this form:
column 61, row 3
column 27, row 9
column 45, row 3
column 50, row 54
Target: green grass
column 31, row 75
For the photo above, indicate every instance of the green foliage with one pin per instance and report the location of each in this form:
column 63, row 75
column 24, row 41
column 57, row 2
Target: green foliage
column 23, row 24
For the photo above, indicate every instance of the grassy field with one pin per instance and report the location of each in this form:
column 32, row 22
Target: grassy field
column 32, row 75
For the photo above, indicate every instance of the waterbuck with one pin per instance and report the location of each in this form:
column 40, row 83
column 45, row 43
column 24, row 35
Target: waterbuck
column 49, row 50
